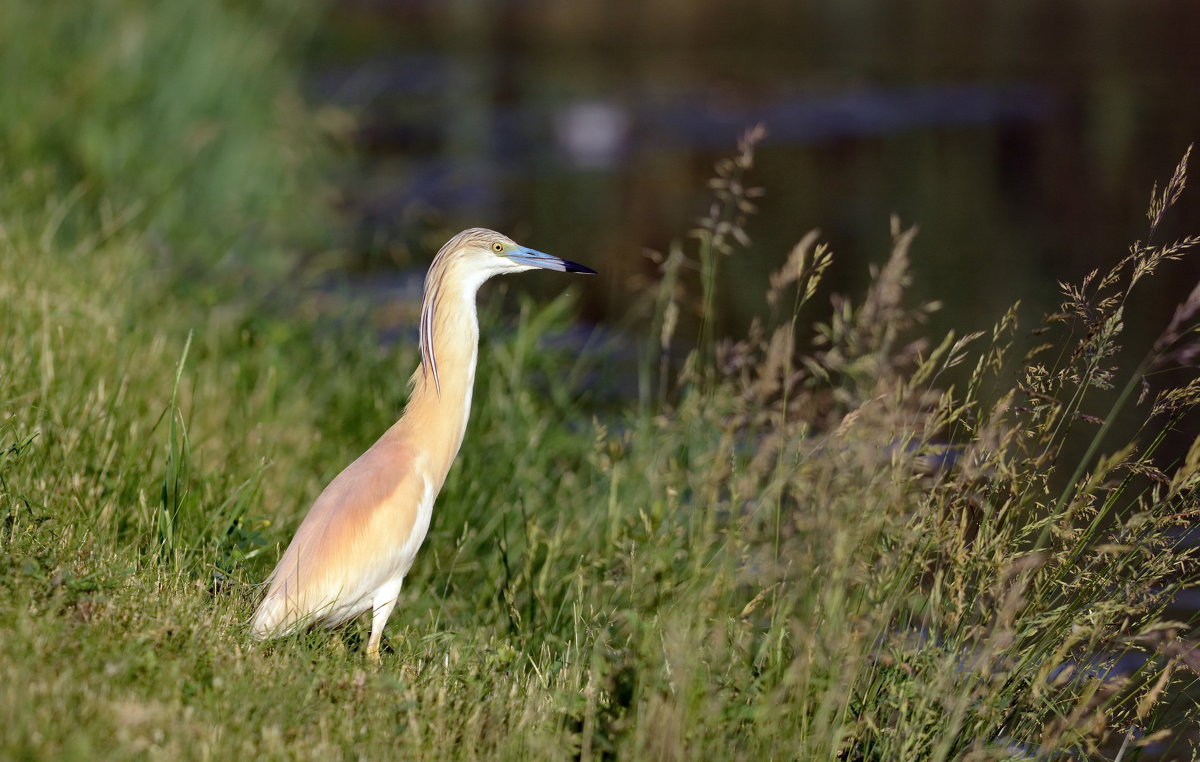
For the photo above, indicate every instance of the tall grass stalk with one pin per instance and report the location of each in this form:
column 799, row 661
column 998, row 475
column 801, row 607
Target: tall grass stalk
column 175, row 474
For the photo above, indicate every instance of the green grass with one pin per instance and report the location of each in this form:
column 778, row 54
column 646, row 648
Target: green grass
column 755, row 560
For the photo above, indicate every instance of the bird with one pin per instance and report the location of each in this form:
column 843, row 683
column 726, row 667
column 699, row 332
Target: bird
column 359, row 539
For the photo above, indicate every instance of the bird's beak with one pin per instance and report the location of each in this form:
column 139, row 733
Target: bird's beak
column 531, row 258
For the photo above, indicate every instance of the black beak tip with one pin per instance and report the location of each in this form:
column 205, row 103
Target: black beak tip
column 574, row 267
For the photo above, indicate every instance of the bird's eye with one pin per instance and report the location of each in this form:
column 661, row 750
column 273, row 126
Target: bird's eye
column 497, row 247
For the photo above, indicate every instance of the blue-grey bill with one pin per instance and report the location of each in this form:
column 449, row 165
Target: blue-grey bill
column 534, row 258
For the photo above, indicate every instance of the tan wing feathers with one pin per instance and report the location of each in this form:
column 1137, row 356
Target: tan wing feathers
column 342, row 550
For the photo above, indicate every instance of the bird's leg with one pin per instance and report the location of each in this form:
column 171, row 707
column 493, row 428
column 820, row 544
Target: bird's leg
column 382, row 603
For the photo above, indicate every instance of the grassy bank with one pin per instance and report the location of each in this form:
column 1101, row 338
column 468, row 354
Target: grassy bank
column 807, row 544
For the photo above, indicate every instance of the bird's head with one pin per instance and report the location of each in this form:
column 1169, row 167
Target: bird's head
column 464, row 263
column 487, row 253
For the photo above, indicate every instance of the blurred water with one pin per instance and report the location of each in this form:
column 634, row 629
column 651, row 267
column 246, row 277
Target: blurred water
column 1023, row 137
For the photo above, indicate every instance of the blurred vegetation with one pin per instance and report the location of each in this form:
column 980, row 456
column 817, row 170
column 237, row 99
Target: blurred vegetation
column 167, row 115
column 827, row 553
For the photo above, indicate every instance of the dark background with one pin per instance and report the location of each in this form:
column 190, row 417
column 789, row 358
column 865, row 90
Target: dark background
column 1023, row 137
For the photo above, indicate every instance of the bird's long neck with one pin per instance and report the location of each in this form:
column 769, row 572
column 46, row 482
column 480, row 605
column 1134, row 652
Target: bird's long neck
column 440, row 404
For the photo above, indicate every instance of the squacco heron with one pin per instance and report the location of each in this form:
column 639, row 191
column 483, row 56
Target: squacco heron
column 360, row 537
